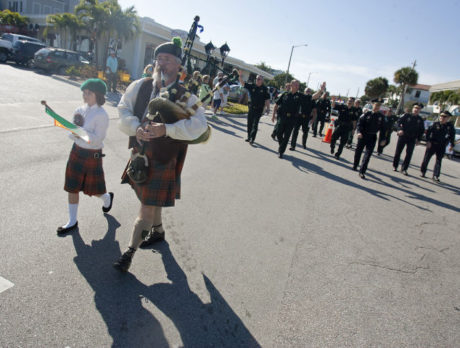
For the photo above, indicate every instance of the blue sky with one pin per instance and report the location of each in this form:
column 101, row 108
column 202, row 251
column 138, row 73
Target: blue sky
column 349, row 42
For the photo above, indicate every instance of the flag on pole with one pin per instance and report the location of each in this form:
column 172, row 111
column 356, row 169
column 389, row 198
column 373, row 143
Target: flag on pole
column 61, row 122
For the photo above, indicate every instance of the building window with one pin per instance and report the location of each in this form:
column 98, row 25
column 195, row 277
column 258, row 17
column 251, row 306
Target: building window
column 36, row 8
column 46, row 10
column 417, row 94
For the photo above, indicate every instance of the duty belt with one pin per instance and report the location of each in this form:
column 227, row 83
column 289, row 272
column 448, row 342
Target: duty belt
column 288, row 114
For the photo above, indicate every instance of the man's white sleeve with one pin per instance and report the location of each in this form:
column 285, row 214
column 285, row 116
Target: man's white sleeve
column 128, row 123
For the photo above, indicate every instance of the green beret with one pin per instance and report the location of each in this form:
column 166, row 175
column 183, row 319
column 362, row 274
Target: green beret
column 95, row 85
column 174, row 48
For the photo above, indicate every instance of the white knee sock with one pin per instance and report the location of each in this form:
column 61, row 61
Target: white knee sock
column 73, row 211
column 105, row 199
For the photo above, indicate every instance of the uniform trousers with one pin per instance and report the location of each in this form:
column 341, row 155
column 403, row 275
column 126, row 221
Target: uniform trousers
column 367, row 141
column 254, row 116
column 319, row 119
column 112, row 81
column 410, row 145
column 387, row 139
column 342, row 133
column 301, row 122
column 439, row 150
column 285, row 128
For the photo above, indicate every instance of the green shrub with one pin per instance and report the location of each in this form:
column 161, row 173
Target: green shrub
column 235, row 108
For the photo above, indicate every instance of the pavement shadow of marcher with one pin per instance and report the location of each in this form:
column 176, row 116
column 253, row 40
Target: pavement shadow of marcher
column 118, row 297
column 215, row 127
column 200, row 324
column 313, row 168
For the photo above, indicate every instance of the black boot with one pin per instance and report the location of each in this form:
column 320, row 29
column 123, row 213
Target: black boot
column 124, row 261
column 153, row 237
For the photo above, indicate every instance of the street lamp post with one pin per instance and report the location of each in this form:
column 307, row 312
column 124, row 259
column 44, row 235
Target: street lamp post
column 308, row 80
column 290, row 57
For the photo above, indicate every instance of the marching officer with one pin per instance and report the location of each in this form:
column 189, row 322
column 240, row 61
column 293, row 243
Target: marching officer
column 307, row 105
column 323, row 108
column 368, row 125
column 357, row 111
column 438, row 135
column 344, row 125
column 287, row 89
column 411, row 129
column 390, row 120
column 287, row 110
column 260, row 98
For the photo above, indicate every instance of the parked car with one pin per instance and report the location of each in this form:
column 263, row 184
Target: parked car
column 24, row 51
column 235, row 93
column 57, row 60
column 383, row 109
column 17, row 37
column 457, row 141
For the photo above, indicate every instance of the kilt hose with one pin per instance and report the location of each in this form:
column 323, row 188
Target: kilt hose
column 84, row 172
column 162, row 186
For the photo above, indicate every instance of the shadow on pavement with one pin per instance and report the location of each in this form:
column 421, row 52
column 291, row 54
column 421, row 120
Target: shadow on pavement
column 120, row 297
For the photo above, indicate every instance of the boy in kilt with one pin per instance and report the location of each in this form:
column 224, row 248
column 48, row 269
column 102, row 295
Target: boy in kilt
column 165, row 146
column 84, row 170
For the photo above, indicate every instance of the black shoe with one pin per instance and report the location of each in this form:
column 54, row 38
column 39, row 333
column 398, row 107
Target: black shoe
column 337, row 156
column 361, row 175
column 355, row 169
column 251, row 141
column 314, row 135
column 404, row 172
column 395, row 169
column 304, row 146
column 320, row 135
column 436, row 179
column 292, row 148
column 106, row 210
column 152, row 238
column 379, row 153
column 423, row 175
column 247, row 139
column 273, row 137
column 124, row 261
column 62, row 230
column 280, row 155
column 332, row 150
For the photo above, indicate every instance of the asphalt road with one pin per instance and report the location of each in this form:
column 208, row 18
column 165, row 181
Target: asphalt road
column 260, row 251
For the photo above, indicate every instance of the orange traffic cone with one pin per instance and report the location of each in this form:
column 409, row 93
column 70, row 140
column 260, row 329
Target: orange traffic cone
column 328, row 135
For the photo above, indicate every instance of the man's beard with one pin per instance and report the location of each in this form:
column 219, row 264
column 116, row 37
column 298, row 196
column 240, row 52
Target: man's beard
column 161, row 77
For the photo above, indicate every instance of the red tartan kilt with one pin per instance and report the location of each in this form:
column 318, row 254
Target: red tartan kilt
column 84, row 172
column 162, row 186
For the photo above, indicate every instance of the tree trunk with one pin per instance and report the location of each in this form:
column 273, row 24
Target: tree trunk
column 400, row 108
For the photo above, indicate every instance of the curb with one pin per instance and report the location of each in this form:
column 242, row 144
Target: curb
column 63, row 79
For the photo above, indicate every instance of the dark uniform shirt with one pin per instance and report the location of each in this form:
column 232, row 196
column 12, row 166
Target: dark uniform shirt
column 323, row 106
column 289, row 104
column 356, row 113
column 307, row 104
column 258, row 95
column 412, row 126
column 441, row 133
column 345, row 116
column 370, row 123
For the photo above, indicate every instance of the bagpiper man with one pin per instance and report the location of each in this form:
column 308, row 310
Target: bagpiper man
column 260, row 99
column 166, row 145
column 368, row 125
column 438, row 136
column 84, row 170
column 411, row 129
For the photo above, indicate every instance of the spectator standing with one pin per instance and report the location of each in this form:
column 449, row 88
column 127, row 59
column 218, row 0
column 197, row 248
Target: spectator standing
column 111, row 71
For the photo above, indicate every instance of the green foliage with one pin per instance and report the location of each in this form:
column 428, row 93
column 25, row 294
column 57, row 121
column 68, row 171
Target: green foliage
column 279, row 80
column 8, row 17
column 406, row 76
column 264, row 67
column 63, row 22
column 235, row 108
column 377, row 87
column 364, row 99
column 73, row 71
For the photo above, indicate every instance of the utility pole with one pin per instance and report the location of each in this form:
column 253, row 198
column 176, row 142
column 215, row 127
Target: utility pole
column 357, row 93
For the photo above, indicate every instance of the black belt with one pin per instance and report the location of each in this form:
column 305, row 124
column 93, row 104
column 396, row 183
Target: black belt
column 87, row 153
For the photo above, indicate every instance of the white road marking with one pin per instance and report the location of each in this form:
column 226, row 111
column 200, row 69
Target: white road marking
column 5, row 284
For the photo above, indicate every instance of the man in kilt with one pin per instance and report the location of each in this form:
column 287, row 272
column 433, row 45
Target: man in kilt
column 165, row 148
column 84, row 170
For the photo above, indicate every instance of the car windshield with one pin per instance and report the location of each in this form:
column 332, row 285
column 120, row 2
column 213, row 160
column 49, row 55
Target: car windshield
column 457, row 131
column 8, row 37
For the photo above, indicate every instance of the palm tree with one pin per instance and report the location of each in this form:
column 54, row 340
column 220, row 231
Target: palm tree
column 65, row 23
column 121, row 25
column 95, row 17
column 405, row 77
